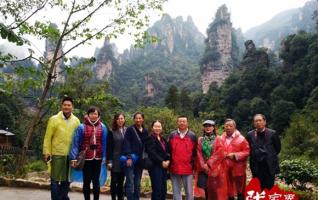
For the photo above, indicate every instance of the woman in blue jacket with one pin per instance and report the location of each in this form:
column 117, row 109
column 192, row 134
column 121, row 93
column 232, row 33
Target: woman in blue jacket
column 90, row 137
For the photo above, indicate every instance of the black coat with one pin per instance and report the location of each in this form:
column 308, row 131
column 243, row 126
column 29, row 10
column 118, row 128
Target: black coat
column 155, row 151
column 267, row 153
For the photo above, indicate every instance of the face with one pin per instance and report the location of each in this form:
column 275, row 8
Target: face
column 208, row 129
column 182, row 123
column 157, row 128
column 259, row 122
column 229, row 127
column 67, row 107
column 139, row 120
column 120, row 121
column 93, row 116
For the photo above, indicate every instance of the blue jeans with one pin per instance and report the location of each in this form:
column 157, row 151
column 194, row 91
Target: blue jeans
column 59, row 190
column 177, row 182
column 133, row 177
column 158, row 177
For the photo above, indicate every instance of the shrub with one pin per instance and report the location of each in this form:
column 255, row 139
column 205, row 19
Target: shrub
column 298, row 173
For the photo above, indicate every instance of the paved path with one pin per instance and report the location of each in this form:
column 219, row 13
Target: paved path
column 9, row 193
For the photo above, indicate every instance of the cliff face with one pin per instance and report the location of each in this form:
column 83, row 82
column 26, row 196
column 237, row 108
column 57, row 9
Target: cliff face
column 271, row 33
column 217, row 61
column 148, row 72
column 50, row 47
column 105, row 61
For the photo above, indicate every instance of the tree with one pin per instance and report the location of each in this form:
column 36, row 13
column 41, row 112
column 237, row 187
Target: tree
column 95, row 93
column 77, row 26
column 172, row 99
column 7, row 119
column 185, row 102
column 281, row 113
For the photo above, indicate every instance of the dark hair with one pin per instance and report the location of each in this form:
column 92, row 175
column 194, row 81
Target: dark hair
column 93, row 109
column 114, row 123
column 139, row 113
column 263, row 116
column 67, row 99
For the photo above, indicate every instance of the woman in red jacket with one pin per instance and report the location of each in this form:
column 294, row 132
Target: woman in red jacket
column 204, row 151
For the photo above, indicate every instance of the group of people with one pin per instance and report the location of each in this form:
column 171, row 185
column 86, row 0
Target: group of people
column 219, row 162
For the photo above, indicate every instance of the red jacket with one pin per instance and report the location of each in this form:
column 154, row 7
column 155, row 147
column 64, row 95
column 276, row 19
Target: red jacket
column 182, row 151
column 240, row 147
column 223, row 169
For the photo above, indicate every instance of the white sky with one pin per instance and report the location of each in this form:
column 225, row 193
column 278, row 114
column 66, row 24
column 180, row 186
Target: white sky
column 245, row 14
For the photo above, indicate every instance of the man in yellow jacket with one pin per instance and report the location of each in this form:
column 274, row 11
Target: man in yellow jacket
column 56, row 146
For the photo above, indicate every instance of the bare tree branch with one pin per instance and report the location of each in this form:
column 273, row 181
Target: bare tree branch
column 86, row 39
column 27, row 18
column 85, row 18
column 24, row 59
column 84, row 7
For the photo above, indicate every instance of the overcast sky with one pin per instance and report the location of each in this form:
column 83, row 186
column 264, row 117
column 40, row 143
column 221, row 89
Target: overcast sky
column 245, row 14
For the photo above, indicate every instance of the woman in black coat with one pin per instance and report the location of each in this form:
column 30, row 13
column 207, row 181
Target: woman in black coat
column 157, row 149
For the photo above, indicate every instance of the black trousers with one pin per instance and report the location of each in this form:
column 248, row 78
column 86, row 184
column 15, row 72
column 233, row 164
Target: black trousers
column 158, row 177
column 117, row 185
column 91, row 173
column 267, row 180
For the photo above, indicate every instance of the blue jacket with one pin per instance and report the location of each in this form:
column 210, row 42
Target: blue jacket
column 78, row 138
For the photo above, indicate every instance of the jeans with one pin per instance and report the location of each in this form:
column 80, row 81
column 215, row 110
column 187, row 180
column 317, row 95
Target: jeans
column 177, row 182
column 133, row 178
column 59, row 190
column 158, row 177
column 91, row 173
column 117, row 185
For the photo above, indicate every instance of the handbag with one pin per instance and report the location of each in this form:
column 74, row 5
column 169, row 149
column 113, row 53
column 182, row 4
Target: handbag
column 146, row 162
column 202, row 180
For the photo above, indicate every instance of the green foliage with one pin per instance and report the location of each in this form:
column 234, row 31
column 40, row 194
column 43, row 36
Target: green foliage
column 172, row 98
column 35, row 166
column 86, row 91
column 7, row 165
column 281, row 113
column 185, row 103
column 161, row 64
column 7, row 120
column 167, row 117
column 298, row 173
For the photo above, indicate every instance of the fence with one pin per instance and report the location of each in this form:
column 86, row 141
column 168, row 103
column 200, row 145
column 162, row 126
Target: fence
column 13, row 150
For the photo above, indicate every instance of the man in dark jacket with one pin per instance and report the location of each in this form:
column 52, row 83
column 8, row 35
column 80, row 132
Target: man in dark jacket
column 265, row 146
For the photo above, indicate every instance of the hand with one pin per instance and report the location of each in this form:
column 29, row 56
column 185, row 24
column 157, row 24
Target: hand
column 206, row 168
column 46, row 157
column 165, row 164
column 129, row 162
column 109, row 166
column 231, row 156
column 73, row 163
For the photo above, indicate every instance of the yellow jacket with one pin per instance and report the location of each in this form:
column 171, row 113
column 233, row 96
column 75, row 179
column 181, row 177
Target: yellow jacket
column 59, row 134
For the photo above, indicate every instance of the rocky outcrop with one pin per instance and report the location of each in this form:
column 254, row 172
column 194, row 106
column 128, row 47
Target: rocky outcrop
column 253, row 57
column 105, row 61
column 50, row 47
column 148, row 72
column 217, row 61
column 150, row 88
